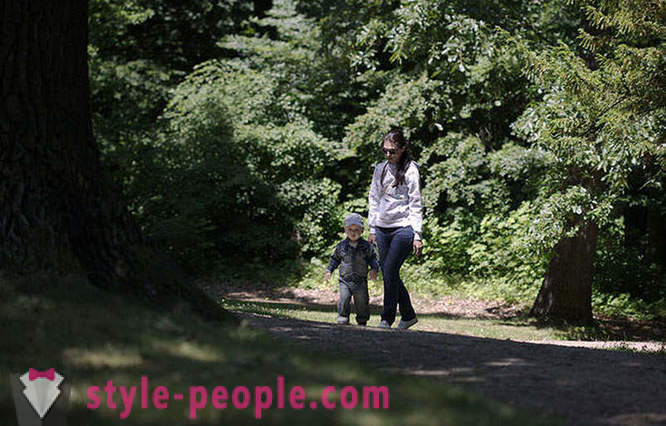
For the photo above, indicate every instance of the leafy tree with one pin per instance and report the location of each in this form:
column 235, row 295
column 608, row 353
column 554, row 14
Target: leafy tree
column 450, row 74
column 455, row 87
column 139, row 51
column 173, row 34
column 245, row 159
column 602, row 117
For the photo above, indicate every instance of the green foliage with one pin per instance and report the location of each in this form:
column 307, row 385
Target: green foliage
column 175, row 34
column 126, row 99
column 237, row 174
column 460, row 89
column 446, row 251
column 408, row 103
column 504, row 254
column 240, row 135
column 140, row 50
column 600, row 116
column 462, row 177
column 624, row 304
column 316, row 76
column 599, row 119
column 628, row 275
column 202, row 196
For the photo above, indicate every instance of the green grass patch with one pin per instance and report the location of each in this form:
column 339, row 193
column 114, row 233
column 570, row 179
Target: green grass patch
column 420, row 280
column 521, row 329
column 92, row 336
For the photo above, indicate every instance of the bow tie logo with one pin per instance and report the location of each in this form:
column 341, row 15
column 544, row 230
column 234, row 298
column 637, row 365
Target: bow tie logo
column 48, row 374
column 36, row 393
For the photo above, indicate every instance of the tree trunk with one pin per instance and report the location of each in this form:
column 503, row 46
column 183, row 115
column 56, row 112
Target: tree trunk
column 58, row 209
column 57, row 204
column 566, row 292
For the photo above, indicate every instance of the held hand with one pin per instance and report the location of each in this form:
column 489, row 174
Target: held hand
column 373, row 275
column 418, row 247
column 327, row 277
column 372, row 239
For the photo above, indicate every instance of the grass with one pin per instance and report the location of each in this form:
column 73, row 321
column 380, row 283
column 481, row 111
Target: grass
column 92, row 336
column 309, row 275
column 513, row 329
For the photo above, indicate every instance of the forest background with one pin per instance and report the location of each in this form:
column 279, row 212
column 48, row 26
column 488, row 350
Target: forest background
column 242, row 132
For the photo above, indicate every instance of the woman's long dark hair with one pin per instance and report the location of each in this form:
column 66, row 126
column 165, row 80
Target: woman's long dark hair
column 396, row 137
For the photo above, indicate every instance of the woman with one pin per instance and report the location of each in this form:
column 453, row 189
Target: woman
column 395, row 220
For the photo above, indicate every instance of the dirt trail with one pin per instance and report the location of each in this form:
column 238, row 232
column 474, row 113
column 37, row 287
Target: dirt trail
column 585, row 386
column 572, row 379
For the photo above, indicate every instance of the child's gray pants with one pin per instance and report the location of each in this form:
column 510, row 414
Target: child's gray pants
column 359, row 290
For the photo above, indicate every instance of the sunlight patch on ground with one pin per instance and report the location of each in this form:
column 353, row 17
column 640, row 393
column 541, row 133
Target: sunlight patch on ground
column 185, row 349
column 108, row 356
column 440, row 372
column 507, row 362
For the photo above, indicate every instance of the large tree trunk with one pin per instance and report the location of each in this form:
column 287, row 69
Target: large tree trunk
column 566, row 292
column 57, row 205
column 58, row 209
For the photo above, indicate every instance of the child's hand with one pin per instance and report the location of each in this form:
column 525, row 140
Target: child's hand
column 327, row 277
column 373, row 275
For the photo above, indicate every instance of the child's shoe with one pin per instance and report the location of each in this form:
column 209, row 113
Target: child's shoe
column 403, row 325
column 343, row 320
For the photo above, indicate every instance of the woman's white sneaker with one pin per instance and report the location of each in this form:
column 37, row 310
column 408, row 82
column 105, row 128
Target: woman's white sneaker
column 403, row 325
column 384, row 324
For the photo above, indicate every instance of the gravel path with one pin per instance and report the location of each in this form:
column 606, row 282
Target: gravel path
column 586, row 386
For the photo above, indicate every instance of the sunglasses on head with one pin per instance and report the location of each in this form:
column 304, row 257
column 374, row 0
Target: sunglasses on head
column 389, row 151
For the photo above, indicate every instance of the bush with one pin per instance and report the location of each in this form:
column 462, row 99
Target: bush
column 504, row 254
column 225, row 182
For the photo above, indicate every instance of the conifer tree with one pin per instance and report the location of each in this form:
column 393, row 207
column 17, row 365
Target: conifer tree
column 603, row 116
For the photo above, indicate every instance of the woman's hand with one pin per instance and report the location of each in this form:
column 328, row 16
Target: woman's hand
column 327, row 277
column 372, row 239
column 418, row 247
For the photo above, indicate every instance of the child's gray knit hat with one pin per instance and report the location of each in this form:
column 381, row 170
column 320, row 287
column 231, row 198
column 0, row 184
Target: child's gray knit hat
column 354, row 219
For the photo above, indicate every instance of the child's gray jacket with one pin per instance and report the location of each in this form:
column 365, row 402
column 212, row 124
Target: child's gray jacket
column 353, row 261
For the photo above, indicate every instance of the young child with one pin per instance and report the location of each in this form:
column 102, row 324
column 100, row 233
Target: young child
column 354, row 255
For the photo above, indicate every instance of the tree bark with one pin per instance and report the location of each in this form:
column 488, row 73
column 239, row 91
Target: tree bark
column 58, row 207
column 57, row 204
column 566, row 291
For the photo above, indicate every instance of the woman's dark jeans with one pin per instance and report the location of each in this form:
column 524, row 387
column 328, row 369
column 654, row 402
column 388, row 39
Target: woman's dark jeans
column 394, row 245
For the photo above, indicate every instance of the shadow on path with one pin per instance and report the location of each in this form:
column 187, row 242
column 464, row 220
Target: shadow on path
column 586, row 386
